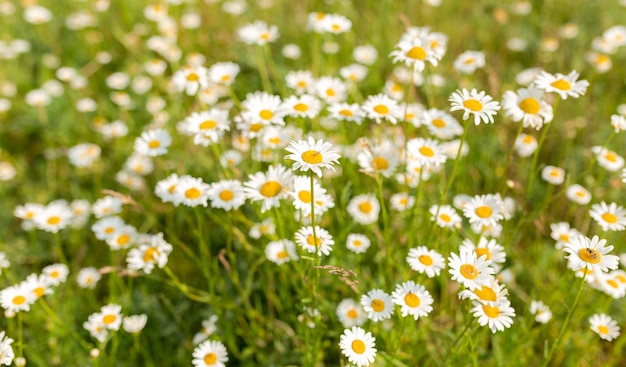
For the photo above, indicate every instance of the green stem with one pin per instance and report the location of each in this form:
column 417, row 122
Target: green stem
column 265, row 79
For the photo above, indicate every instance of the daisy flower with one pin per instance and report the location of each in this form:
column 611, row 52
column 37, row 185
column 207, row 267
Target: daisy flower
column 525, row 145
column 541, row 311
column 335, row 24
column 146, row 256
column 54, row 217
column 83, row 155
column 153, row 142
column 265, row 228
column 527, row 105
column 553, row 175
column 263, row 108
column 604, row 326
column 281, row 251
column 377, row 304
column 618, row 123
column 441, row 124
column 107, row 227
column 425, row 152
column 365, row 55
column 166, row 189
column 343, row 111
column 565, row 85
column 258, row 33
column 381, row 107
column 610, row 217
column 578, row 194
column 358, row 346
column 591, row 254
column 106, row 206
column 497, row 316
column 6, row 351
column 304, row 105
column 111, row 316
column 226, row 194
column 380, row 158
column 135, row 323
column 301, row 81
column 357, row 243
column 301, row 194
column 95, row 327
column 469, row 61
column 331, row 89
column 478, row 104
column 562, row 234
column 210, row 354
column 489, row 294
column 191, row 191
column 415, row 52
column 401, row 201
column 17, row 298
column 223, row 73
column 353, row 73
column 607, row 159
column 413, row 299
column 489, row 248
column 611, row 283
column 208, row 126
column 56, row 273
column 600, row 61
column 486, row 210
column 312, row 155
column 88, row 277
column 364, row 209
column 322, row 242
column 445, row 216
column 424, row 260
column 469, row 269
column 208, row 328
column 350, row 313
column 190, row 79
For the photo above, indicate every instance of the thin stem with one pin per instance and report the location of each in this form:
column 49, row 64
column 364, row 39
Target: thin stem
column 265, row 79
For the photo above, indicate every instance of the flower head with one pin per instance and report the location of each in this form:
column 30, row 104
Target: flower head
column 565, row 85
column 591, row 254
column 478, row 104
column 358, row 346
column 312, row 155
column 604, row 326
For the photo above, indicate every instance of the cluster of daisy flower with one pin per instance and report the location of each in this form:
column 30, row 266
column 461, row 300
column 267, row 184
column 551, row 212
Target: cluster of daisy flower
column 21, row 296
column 54, row 216
column 208, row 353
column 110, row 318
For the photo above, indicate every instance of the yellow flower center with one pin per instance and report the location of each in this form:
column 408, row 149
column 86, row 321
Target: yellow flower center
column 39, row 291
column 611, row 157
column 123, row 239
column 109, row 230
column 304, row 196
column 485, row 293
column 469, row 61
column 19, row 300
column 381, row 109
column 255, row 128
column 445, row 217
column 353, row 314
column 365, row 207
column 109, row 319
column 561, row 84
column 469, row 271
column 270, row 189
column 313, row 241
column 480, row 251
column 312, row 157
column 346, row 113
column 226, row 195
column 473, row 105
column 609, row 218
column 210, row 358
column 528, row 139
column 336, row 27
column 207, row 125
column 358, row 346
column 416, row 53
column 282, row 255
column 378, row 305
column 330, row 92
column 426, row 151
column 484, row 211
column 412, row 300
column 380, row 163
column 492, row 312
column 193, row 77
column 581, row 194
column 192, row 193
column 54, row 274
column 150, row 254
column 301, row 84
column 301, row 107
column 265, row 36
column 612, row 283
column 266, row 114
column 529, row 105
column 426, row 260
column 357, row 243
column 555, row 173
column 589, row 255
column 54, row 220
column 438, row 123
column 153, row 144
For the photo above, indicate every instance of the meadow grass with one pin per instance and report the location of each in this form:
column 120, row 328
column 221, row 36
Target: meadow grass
column 244, row 277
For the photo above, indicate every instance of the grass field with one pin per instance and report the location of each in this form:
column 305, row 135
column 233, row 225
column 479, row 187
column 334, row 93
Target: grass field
column 312, row 183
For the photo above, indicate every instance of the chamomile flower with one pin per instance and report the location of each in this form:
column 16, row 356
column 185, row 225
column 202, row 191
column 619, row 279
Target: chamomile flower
column 401, row 201
column 541, row 311
column 525, row 145
column 378, row 159
column 265, row 228
column 469, row 269
column 610, row 217
column 610, row 283
column 208, row 327
column 377, row 304
column 445, row 216
column 491, row 293
column 497, row 316
column 312, row 155
column 331, row 89
column 364, row 209
column 591, row 254
column 191, row 191
column 301, row 194
column 608, row 159
column 111, row 316
column 489, row 248
column 424, row 260
column 415, row 52
column 353, row 73
column 210, row 354
column 17, row 298
column 281, row 251
column 441, row 124
column 258, row 33
column 600, row 61
column 95, row 327
column 553, row 175
column 208, row 126
column 123, row 238
column 527, row 105
column 40, row 285
column 321, row 242
column 562, row 234
column 350, row 313
column 304, row 105
column 107, row 227
column 358, row 346
column 357, row 243
column 413, row 299
column 135, row 323
column 165, row 189
column 6, row 351
column 565, row 85
column 618, row 123
column 301, row 81
column 153, row 143
column 380, row 107
column 478, row 104
column 335, row 23
column 223, row 73
column 54, row 217
column 485, row 210
column 365, row 55
column 226, row 194
column 147, row 256
column 263, row 108
column 469, row 61
column 88, row 277
column 578, row 194
column 343, row 111
column 426, row 152
column 83, row 155
column 190, row 79
column 604, row 326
